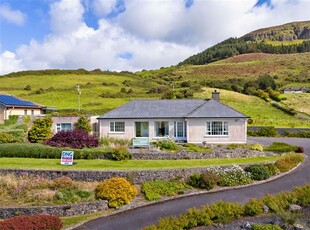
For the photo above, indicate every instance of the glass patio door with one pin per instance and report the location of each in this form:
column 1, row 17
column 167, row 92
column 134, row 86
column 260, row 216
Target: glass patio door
column 142, row 129
column 179, row 130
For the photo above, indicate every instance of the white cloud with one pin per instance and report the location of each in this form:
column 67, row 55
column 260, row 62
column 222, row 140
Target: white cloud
column 152, row 33
column 12, row 16
column 103, row 7
column 9, row 62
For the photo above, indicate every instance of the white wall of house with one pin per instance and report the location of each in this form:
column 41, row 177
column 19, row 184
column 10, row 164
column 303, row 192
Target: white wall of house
column 21, row 112
column 195, row 129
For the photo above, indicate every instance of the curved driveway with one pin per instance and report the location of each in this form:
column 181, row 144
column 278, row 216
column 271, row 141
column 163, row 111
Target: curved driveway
column 139, row 217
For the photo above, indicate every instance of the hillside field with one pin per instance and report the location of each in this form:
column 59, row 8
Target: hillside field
column 103, row 91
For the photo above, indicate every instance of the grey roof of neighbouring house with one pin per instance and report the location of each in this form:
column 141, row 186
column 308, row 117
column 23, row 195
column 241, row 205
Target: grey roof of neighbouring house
column 10, row 101
column 173, row 109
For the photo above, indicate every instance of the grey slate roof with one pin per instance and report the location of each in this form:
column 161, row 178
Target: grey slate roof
column 10, row 101
column 173, row 109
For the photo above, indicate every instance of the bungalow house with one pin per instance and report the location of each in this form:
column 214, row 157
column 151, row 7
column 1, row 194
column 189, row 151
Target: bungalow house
column 296, row 90
column 193, row 121
column 10, row 105
column 64, row 123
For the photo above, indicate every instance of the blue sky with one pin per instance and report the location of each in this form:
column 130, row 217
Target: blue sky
column 127, row 34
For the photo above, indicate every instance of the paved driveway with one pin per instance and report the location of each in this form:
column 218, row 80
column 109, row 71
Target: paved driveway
column 144, row 216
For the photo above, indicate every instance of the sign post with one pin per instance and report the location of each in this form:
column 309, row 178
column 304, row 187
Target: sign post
column 66, row 158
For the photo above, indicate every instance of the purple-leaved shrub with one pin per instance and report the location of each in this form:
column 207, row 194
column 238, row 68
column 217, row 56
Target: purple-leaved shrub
column 76, row 139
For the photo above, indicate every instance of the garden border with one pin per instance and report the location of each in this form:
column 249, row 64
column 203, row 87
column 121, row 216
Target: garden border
column 90, row 207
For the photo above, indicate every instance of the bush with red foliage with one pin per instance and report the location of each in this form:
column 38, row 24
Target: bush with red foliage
column 38, row 222
column 76, row 139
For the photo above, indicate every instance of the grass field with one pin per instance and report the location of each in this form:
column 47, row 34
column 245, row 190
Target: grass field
column 54, row 164
column 259, row 110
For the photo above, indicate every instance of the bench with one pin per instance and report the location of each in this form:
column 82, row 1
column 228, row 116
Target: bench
column 141, row 142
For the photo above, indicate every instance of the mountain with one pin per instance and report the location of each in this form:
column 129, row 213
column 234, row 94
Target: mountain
column 287, row 32
column 293, row 38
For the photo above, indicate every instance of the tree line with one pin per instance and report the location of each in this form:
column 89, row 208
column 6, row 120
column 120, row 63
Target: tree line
column 235, row 46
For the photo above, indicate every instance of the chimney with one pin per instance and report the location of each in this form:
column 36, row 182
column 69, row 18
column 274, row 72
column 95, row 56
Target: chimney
column 216, row 95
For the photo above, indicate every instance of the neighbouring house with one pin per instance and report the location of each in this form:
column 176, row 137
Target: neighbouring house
column 193, row 121
column 63, row 123
column 296, row 90
column 10, row 105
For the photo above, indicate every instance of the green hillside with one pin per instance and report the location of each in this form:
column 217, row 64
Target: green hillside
column 285, row 39
column 103, row 91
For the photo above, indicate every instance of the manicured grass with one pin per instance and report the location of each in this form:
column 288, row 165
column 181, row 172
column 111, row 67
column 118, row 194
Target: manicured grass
column 31, row 163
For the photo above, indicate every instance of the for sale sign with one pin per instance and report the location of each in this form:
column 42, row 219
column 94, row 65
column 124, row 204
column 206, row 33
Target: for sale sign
column 66, row 158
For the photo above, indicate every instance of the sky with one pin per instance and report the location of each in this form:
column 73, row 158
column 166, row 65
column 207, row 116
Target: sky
column 127, row 35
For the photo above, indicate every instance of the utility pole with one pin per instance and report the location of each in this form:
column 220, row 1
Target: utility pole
column 79, row 94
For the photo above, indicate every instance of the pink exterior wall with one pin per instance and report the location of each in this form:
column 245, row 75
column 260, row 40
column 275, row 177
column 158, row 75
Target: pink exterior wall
column 196, row 130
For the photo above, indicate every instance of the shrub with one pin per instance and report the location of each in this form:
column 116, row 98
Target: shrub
column 167, row 144
column 266, row 227
column 83, row 123
column 119, row 154
column 118, row 191
column 108, row 141
column 154, row 190
column 289, row 161
column 209, row 180
column 76, row 139
column 225, row 212
column 267, row 132
column 258, row 172
column 257, row 147
column 303, row 195
column 234, row 176
column 12, row 120
column 280, row 202
column 195, row 148
column 281, row 147
column 62, row 182
column 6, row 138
column 253, row 207
column 41, row 130
column 194, row 180
column 272, row 168
column 38, row 222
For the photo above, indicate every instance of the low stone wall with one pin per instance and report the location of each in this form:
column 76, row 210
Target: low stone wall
column 146, row 154
column 135, row 176
column 59, row 210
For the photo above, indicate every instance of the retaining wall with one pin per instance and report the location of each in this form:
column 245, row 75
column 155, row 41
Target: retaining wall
column 59, row 210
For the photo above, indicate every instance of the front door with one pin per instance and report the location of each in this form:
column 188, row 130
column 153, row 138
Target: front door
column 179, row 130
column 142, row 129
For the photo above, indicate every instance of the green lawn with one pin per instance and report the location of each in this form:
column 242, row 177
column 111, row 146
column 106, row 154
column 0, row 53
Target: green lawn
column 31, row 163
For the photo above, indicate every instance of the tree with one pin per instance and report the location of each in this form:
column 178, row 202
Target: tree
column 83, row 123
column 41, row 130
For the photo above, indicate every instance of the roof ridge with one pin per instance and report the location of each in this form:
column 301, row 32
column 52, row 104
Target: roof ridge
column 197, row 108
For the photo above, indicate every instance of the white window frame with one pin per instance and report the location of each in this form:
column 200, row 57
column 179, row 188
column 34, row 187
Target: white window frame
column 59, row 127
column 115, row 127
column 212, row 128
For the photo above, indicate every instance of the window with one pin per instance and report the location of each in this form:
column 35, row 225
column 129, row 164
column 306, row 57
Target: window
column 25, row 112
column 117, row 127
column 161, row 128
column 217, row 128
column 63, row 127
column 142, row 129
column 32, row 112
